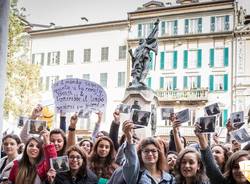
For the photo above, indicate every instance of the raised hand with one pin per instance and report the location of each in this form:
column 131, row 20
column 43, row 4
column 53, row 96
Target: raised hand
column 73, row 121
column 51, row 174
column 116, row 115
column 45, row 135
column 37, row 112
column 127, row 128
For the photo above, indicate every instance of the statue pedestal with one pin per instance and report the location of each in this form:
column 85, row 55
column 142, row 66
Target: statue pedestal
column 148, row 101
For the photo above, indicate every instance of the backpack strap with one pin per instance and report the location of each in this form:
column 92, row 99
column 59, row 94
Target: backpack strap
column 3, row 165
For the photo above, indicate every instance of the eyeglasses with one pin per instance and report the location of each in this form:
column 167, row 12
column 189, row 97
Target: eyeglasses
column 147, row 151
column 75, row 157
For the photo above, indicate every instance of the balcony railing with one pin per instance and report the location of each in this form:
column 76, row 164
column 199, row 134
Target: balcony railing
column 183, row 95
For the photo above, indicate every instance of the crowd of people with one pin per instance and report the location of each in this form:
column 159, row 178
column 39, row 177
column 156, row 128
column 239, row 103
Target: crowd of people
column 107, row 158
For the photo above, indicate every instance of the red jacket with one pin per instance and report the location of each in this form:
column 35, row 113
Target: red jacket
column 41, row 168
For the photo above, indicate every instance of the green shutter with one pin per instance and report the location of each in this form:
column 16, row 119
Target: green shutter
column 162, row 60
column 185, row 65
column 185, row 82
column 198, row 81
column 174, row 83
column 149, row 82
column 212, row 24
column 161, row 82
column 226, row 26
column 163, row 27
column 225, row 115
column 211, row 58
column 225, row 56
column 139, row 30
column 225, row 82
column 199, row 25
column 151, row 55
column 199, row 58
column 211, row 83
column 186, row 26
column 175, row 60
column 175, row 27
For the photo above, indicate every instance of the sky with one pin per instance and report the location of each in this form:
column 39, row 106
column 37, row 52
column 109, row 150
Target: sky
column 69, row 12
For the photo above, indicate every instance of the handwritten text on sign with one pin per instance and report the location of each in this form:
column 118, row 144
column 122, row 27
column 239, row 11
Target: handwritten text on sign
column 72, row 95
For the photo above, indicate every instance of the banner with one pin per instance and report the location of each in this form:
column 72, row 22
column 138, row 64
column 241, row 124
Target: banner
column 73, row 95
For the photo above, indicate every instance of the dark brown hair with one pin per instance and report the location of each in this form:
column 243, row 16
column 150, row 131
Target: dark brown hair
column 233, row 159
column 225, row 153
column 200, row 175
column 109, row 165
column 77, row 149
column 61, row 132
column 161, row 158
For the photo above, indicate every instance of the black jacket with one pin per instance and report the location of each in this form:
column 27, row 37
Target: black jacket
column 66, row 178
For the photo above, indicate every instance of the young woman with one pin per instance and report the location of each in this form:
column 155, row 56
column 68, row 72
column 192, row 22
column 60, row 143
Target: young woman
column 11, row 143
column 58, row 138
column 220, row 154
column 171, row 161
column 102, row 159
column 86, row 145
column 232, row 173
column 189, row 168
column 78, row 173
column 31, row 168
column 145, row 166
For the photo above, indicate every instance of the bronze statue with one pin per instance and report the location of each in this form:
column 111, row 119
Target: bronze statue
column 141, row 58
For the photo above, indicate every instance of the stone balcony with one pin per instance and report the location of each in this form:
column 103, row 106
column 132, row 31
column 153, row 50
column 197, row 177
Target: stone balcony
column 192, row 96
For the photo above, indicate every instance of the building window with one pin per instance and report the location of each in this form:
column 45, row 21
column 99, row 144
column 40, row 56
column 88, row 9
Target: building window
column 69, row 76
column 168, row 83
column 53, row 58
column 219, row 23
column 38, row 59
column 193, row 26
column 121, row 79
column 219, row 58
column 192, row 82
column 170, row 28
column 50, row 80
column 139, row 30
column 86, row 55
column 40, row 84
column 86, row 76
column 70, row 56
column 122, row 52
column 103, row 79
column 192, row 58
column 104, row 54
column 218, row 82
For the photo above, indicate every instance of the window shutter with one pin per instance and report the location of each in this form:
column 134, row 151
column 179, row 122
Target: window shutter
column 185, row 65
column 162, row 60
column 226, row 26
column 225, row 116
column 139, row 30
column 175, row 27
column 49, row 58
column 151, row 55
column 199, row 25
column 161, row 82
column 175, row 60
column 186, row 26
column 212, row 24
column 199, row 55
column 42, row 59
column 163, row 24
column 33, row 59
column 225, row 82
column 47, row 83
column 211, row 58
column 198, row 81
column 225, row 56
column 211, row 83
column 174, row 83
column 185, row 82
column 58, row 58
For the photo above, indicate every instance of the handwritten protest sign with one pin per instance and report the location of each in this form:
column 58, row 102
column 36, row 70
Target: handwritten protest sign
column 73, row 95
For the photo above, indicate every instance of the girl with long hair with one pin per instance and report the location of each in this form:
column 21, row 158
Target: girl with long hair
column 102, row 158
column 32, row 168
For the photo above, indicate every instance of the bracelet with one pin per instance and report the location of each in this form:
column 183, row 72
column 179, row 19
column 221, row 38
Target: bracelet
column 71, row 129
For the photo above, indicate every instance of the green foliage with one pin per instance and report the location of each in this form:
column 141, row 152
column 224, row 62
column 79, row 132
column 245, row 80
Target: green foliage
column 22, row 89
